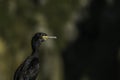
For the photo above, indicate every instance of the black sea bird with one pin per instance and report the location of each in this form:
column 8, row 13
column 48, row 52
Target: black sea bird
column 29, row 69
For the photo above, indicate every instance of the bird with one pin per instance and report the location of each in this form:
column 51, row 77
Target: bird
column 29, row 69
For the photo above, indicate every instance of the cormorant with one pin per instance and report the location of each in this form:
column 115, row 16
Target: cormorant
column 29, row 69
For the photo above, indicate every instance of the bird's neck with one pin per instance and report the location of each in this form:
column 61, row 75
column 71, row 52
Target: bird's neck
column 35, row 48
column 35, row 52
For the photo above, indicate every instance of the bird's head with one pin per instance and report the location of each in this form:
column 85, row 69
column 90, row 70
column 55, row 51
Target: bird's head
column 38, row 38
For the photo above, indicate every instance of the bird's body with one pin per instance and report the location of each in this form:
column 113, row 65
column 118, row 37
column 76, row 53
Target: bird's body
column 29, row 69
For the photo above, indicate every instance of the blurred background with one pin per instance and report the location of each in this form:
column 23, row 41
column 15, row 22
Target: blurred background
column 88, row 44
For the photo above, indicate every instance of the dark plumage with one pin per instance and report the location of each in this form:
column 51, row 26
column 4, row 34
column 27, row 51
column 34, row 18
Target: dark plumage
column 29, row 69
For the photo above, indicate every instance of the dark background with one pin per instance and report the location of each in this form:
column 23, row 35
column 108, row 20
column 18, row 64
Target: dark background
column 88, row 44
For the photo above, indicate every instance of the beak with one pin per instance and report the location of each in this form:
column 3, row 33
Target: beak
column 49, row 37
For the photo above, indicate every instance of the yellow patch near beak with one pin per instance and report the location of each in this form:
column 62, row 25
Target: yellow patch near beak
column 45, row 37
